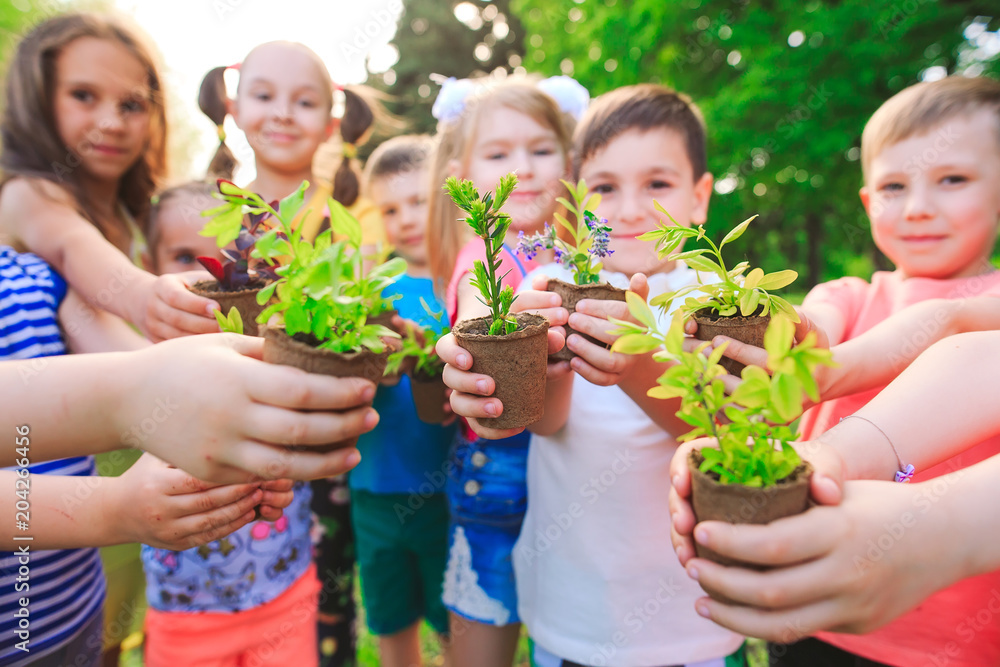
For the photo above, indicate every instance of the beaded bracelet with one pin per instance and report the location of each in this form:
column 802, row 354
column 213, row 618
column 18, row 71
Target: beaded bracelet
column 905, row 472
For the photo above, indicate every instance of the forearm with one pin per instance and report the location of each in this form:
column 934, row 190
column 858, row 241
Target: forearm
column 88, row 329
column 62, row 512
column 117, row 285
column 636, row 385
column 971, row 515
column 67, row 403
column 558, row 396
column 939, row 406
column 876, row 357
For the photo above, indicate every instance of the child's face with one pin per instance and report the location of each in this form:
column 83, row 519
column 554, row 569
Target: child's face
column 179, row 220
column 934, row 199
column 283, row 107
column 402, row 199
column 101, row 106
column 635, row 168
column 507, row 141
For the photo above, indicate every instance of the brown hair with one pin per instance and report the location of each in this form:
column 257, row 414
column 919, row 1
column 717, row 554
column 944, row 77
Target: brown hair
column 921, row 107
column 641, row 107
column 32, row 147
column 398, row 155
column 454, row 142
column 362, row 108
column 202, row 191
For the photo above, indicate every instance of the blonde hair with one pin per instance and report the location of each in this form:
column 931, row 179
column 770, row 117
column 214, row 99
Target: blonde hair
column 32, row 147
column 920, row 107
column 454, row 142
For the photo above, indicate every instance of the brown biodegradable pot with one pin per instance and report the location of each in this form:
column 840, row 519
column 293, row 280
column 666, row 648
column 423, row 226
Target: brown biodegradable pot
column 516, row 362
column 244, row 300
column 428, row 397
column 749, row 330
column 301, row 352
column 734, row 503
column 571, row 295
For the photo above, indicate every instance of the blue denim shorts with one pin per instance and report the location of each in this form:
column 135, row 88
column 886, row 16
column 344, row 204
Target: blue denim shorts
column 487, row 496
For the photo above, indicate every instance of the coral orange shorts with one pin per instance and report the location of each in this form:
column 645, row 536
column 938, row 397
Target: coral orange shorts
column 281, row 632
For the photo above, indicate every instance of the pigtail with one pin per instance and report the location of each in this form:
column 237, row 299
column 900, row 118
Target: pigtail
column 212, row 102
column 357, row 120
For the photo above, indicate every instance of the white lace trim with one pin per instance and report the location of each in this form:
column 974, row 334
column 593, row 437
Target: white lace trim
column 461, row 586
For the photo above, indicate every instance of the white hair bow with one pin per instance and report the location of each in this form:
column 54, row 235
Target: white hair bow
column 567, row 92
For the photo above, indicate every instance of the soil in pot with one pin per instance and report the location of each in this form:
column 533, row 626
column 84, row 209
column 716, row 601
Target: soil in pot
column 516, row 362
column 571, row 295
column 244, row 300
column 734, row 503
column 428, row 397
column 300, row 351
column 749, row 330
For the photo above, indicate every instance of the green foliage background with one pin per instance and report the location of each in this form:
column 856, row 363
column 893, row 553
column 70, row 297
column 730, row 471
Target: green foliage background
column 784, row 121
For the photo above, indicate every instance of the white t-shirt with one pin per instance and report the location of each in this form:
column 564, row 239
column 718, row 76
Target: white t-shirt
column 598, row 581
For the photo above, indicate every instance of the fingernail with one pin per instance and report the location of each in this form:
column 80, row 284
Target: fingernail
column 482, row 386
column 462, row 360
column 675, row 480
column 555, row 300
column 491, row 409
column 702, row 609
column 258, row 495
column 701, row 535
column 371, row 419
column 353, row 459
column 367, row 393
column 673, row 519
column 693, row 573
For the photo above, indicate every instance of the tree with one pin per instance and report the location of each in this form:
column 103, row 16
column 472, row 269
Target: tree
column 450, row 38
column 786, row 87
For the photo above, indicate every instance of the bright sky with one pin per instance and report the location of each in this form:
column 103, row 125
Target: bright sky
column 194, row 36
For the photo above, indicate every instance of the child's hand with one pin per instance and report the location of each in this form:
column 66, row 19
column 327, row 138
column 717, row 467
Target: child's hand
column 278, row 495
column 170, row 310
column 825, row 487
column 469, row 390
column 547, row 304
column 596, row 363
column 159, row 505
column 208, row 405
column 826, row 576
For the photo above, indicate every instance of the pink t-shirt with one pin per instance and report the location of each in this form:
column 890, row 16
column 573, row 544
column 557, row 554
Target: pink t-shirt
column 515, row 267
column 944, row 629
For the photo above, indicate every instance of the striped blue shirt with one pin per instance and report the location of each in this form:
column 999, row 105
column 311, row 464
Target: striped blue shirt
column 64, row 588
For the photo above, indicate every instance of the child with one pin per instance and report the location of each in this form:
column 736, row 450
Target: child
column 402, row 533
column 284, row 104
column 71, row 515
column 483, row 133
column 931, row 162
column 83, row 138
column 836, row 570
column 174, row 222
column 593, row 586
column 247, row 579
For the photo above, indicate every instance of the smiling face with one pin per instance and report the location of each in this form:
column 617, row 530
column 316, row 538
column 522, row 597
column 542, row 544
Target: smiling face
column 402, row 199
column 178, row 221
column 283, row 106
column 508, row 140
column 934, row 199
column 101, row 104
column 630, row 172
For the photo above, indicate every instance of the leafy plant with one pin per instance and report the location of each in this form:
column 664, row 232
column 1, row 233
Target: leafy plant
column 733, row 293
column 491, row 225
column 751, row 425
column 419, row 345
column 231, row 224
column 590, row 237
column 233, row 323
column 321, row 291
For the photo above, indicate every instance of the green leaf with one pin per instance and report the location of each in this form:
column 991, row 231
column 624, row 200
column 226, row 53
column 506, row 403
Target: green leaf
column 777, row 280
column 786, row 396
column 736, row 231
column 225, row 227
column 290, row 205
column 640, row 310
column 778, row 337
column 700, row 263
column 343, row 223
column 635, row 344
column 753, row 278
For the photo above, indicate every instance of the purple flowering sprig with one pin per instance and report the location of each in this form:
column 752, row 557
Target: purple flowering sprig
column 588, row 238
